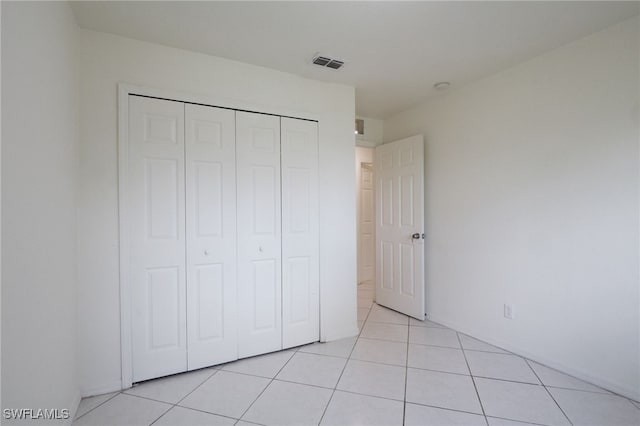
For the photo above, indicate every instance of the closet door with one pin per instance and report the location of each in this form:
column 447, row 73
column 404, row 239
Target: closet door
column 300, row 270
column 211, row 235
column 259, row 239
column 156, row 234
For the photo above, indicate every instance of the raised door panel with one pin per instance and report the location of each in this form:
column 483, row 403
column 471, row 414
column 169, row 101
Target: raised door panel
column 156, row 239
column 300, row 270
column 259, row 233
column 211, row 235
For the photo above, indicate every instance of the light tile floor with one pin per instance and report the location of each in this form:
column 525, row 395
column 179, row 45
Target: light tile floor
column 397, row 371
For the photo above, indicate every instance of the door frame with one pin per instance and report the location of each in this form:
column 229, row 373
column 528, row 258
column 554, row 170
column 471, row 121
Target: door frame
column 124, row 91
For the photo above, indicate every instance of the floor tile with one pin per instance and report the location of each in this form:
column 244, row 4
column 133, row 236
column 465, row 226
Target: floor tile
column 469, row 343
column 382, row 314
column 341, row 348
column 363, row 313
column 179, row 416
column 393, row 332
column 89, row 403
column 434, row 336
column 494, row 421
column 227, row 394
column 380, row 351
column 443, row 390
column 587, row 408
column 386, row 381
column 173, row 388
column 551, row 377
column 289, row 404
column 500, row 366
column 125, row 410
column 347, row 409
column 519, row 401
column 419, row 415
column 364, row 302
column 425, row 323
column 262, row 365
column 312, row 369
column 436, row 358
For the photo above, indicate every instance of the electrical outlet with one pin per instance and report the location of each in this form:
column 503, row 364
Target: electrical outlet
column 509, row 311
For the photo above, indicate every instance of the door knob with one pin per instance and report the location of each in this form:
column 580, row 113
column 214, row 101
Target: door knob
column 416, row 236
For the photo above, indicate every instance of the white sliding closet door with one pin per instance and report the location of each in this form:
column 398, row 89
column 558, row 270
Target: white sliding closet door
column 211, row 235
column 259, row 238
column 300, row 270
column 156, row 234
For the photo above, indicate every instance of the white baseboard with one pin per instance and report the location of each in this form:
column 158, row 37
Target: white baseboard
column 73, row 407
column 340, row 334
column 598, row 381
column 115, row 386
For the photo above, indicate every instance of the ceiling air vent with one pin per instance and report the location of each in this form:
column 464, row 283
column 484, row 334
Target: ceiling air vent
column 335, row 64
column 321, row 60
column 324, row 61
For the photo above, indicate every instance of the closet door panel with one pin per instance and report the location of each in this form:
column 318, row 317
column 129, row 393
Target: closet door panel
column 211, row 235
column 259, row 233
column 156, row 237
column 300, row 251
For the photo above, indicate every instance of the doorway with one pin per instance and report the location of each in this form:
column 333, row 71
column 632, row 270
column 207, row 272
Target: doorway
column 365, row 187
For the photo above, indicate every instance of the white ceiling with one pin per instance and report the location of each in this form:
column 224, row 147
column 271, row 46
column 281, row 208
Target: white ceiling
column 394, row 51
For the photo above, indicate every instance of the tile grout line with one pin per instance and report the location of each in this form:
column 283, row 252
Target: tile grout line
column 472, row 380
column 344, row 368
column 450, row 409
column 265, row 388
column 602, row 390
column 99, row 405
column 516, row 421
column 369, row 320
column 547, row 390
column 215, row 371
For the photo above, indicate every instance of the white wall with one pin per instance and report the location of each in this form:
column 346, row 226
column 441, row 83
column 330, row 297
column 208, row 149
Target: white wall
column 373, row 134
column 107, row 60
column 39, row 186
column 532, row 199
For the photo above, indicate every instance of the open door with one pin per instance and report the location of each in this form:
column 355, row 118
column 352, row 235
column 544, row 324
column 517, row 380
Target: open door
column 399, row 169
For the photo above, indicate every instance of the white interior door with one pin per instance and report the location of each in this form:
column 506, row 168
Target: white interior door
column 400, row 225
column 156, row 206
column 259, row 235
column 300, row 269
column 367, row 226
column 210, row 137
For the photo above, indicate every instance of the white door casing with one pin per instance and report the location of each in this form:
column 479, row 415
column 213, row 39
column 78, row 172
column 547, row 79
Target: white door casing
column 366, row 237
column 399, row 169
column 156, row 206
column 211, row 235
column 300, row 243
column 259, row 234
